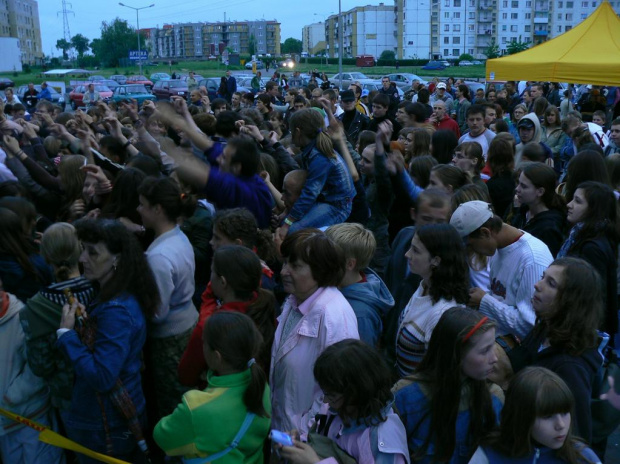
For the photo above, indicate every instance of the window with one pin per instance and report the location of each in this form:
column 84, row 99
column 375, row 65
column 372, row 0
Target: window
column 470, row 51
column 456, row 28
column 569, row 5
column 456, row 52
column 513, row 28
column 528, row 15
column 446, row 40
column 457, row 3
column 568, row 28
column 569, row 16
column 527, row 28
column 504, row 15
column 472, row 15
column 446, row 15
column 472, row 2
column 584, row 4
column 528, row 4
column 504, row 40
column 514, row 15
column 456, row 40
column 457, row 15
column 584, row 15
column 471, row 27
column 446, row 52
column 593, row 4
column 560, row 4
column 559, row 28
column 505, row 4
column 446, row 27
column 514, row 4
column 504, row 28
column 446, row 3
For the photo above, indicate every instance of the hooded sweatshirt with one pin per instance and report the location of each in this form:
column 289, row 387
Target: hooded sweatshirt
column 537, row 138
column 21, row 391
column 371, row 300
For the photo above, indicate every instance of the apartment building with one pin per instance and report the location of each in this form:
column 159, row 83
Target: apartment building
column 313, row 38
column 367, row 30
column 201, row 40
column 20, row 19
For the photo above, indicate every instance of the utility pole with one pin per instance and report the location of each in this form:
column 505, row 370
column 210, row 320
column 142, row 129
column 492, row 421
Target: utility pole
column 65, row 20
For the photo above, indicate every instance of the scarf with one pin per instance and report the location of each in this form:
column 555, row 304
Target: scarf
column 570, row 241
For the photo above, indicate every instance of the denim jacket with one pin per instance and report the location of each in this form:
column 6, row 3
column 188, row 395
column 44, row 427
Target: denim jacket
column 328, row 181
column 119, row 339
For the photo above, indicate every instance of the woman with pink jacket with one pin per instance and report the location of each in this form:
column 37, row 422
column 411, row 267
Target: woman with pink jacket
column 314, row 316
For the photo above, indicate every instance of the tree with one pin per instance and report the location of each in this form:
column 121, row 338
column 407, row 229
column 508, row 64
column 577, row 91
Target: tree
column 492, row 51
column 291, row 45
column 466, row 57
column 117, row 39
column 62, row 44
column 80, row 43
column 388, row 55
column 516, row 46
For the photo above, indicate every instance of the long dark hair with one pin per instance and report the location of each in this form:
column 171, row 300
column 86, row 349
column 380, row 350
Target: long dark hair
column 534, row 392
column 360, row 374
column 600, row 220
column 235, row 336
column 443, row 143
column 165, row 192
column 242, row 270
column 587, row 165
column 566, row 324
column 441, row 370
column 450, row 279
column 133, row 274
column 124, row 198
column 543, row 176
column 14, row 242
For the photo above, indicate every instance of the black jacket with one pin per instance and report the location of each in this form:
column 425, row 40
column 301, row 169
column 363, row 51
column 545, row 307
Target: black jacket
column 547, row 226
column 578, row 372
column 357, row 125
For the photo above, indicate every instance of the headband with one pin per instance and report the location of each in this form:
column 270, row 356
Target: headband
column 475, row 328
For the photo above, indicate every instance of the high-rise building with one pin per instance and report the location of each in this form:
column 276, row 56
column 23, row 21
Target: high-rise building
column 201, row 40
column 368, row 30
column 20, row 19
column 313, row 38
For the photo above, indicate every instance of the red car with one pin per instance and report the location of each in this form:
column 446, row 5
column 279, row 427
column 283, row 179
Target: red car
column 77, row 95
column 140, row 80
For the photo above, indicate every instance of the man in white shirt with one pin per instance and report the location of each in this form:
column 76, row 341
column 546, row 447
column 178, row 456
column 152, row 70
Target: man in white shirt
column 478, row 132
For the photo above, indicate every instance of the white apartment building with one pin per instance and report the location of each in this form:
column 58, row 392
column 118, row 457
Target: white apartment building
column 368, row 30
column 313, row 38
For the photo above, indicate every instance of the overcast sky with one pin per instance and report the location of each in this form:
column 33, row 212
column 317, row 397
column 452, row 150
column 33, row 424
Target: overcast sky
column 88, row 15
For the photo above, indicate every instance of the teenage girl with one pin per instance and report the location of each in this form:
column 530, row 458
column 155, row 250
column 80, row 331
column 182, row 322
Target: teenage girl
column 448, row 406
column 206, row 422
column 358, row 414
column 234, row 286
column 536, row 424
column 438, row 256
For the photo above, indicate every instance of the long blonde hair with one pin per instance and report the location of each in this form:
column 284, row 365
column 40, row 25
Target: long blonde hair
column 60, row 247
column 71, row 176
column 311, row 125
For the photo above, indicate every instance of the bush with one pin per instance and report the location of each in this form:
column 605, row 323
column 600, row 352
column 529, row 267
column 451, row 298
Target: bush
column 388, row 55
column 26, row 68
column 321, row 60
column 381, row 62
column 466, row 57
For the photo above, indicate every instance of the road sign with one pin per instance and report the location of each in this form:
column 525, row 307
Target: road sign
column 135, row 55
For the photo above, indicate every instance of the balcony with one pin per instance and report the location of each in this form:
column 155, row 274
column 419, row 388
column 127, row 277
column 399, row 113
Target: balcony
column 541, row 33
column 542, row 20
column 485, row 19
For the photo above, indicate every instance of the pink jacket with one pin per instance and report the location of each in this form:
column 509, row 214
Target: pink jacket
column 295, row 396
column 385, row 443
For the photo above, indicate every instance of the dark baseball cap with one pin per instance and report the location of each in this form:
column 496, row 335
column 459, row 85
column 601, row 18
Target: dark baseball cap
column 347, row 96
column 526, row 124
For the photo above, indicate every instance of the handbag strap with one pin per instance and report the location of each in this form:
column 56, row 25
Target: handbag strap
column 249, row 417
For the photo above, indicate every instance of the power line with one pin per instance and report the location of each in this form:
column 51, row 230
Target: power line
column 65, row 19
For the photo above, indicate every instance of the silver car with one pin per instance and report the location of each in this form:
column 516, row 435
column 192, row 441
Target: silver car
column 405, row 79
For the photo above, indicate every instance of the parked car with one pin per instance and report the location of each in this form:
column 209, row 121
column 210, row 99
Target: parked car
column 446, row 63
column 477, row 62
column 159, row 76
column 245, row 82
column 96, row 78
column 465, row 63
column 306, row 79
column 184, row 77
column 377, row 85
column 122, row 80
column 5, row 83
column 405, row 79
column 434, row 65
column 109, row 83
column 140, row 80
column 165, row 89
column 77, row 94
column 259, row 65
column 348, row 78
column 133, row 92
column 286, row 64
column 57, row 98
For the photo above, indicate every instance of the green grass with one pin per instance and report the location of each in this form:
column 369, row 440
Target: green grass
column 214, row 69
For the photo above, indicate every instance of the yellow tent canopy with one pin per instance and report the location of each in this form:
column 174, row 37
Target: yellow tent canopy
column 587, row 54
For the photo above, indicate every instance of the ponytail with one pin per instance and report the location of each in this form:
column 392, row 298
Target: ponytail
column 311, row 124
column 253, row 396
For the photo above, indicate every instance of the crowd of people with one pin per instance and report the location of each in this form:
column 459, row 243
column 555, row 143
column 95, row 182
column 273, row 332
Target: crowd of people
column 425, row 279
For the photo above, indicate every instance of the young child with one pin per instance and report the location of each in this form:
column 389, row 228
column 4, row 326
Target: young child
column 448, row 406
column 361, row 286
column 358, row 415
column 205, row 424
column 535, row 424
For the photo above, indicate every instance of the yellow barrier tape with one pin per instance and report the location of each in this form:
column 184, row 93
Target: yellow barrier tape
column 47, row 435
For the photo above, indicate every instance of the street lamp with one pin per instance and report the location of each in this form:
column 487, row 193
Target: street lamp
column 138, row 30
column 340, row 41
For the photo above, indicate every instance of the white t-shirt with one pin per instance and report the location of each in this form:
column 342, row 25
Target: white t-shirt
column 483, row 139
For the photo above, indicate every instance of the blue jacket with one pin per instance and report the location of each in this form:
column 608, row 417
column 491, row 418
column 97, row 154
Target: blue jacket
column 45, row 94
column 542, row 455
column 120, row 337
column 20, row 283
column 370, row 300
column 328, row 181
column 413, row 407
column 229, row 191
